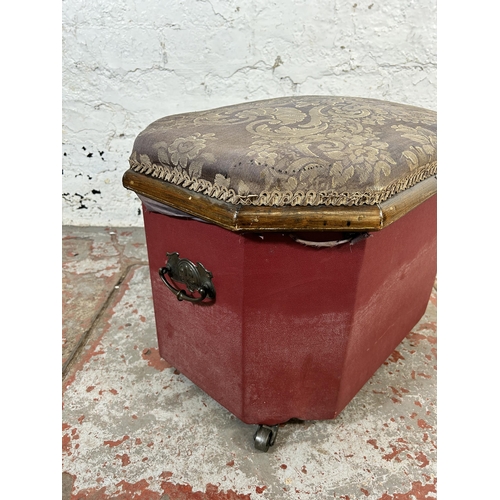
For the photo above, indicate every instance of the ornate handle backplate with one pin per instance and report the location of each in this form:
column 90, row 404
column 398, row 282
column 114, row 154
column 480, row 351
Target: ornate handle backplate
column 196, row 278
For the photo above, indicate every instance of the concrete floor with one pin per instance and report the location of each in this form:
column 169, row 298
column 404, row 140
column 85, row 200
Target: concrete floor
column 135, row 428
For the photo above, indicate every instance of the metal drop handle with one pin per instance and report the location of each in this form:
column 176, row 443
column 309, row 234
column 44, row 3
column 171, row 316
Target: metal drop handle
column 195, row 277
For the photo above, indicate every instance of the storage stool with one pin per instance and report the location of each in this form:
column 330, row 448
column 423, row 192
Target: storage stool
column 291, row 244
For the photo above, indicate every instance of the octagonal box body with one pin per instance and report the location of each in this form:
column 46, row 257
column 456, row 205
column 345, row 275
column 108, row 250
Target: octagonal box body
column 310, row 298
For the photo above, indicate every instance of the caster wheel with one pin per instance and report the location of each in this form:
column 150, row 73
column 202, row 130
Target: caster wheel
column 265, row 436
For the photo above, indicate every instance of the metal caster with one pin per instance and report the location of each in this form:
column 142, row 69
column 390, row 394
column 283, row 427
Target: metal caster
column 265, row 436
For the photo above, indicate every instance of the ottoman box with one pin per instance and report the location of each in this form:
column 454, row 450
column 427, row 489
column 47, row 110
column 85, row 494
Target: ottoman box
column 291, row 244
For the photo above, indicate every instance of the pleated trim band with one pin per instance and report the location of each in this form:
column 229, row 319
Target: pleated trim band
column 179, row 177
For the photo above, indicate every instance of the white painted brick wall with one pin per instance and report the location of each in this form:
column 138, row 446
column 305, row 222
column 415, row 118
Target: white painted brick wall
column 129, row 62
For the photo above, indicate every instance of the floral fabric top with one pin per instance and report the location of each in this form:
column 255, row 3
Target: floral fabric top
column 308, row 150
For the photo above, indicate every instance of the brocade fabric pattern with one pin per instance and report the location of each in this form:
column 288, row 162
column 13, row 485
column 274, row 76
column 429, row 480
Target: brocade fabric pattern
column 306, row 150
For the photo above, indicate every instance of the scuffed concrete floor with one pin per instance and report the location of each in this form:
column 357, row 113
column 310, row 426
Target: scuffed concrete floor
column 135, row 428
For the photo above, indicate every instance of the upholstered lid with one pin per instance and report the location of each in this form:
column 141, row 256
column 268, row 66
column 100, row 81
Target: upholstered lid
column 308, row 151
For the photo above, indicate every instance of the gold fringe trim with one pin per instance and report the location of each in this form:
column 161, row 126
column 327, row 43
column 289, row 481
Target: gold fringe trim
column 179, row 177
